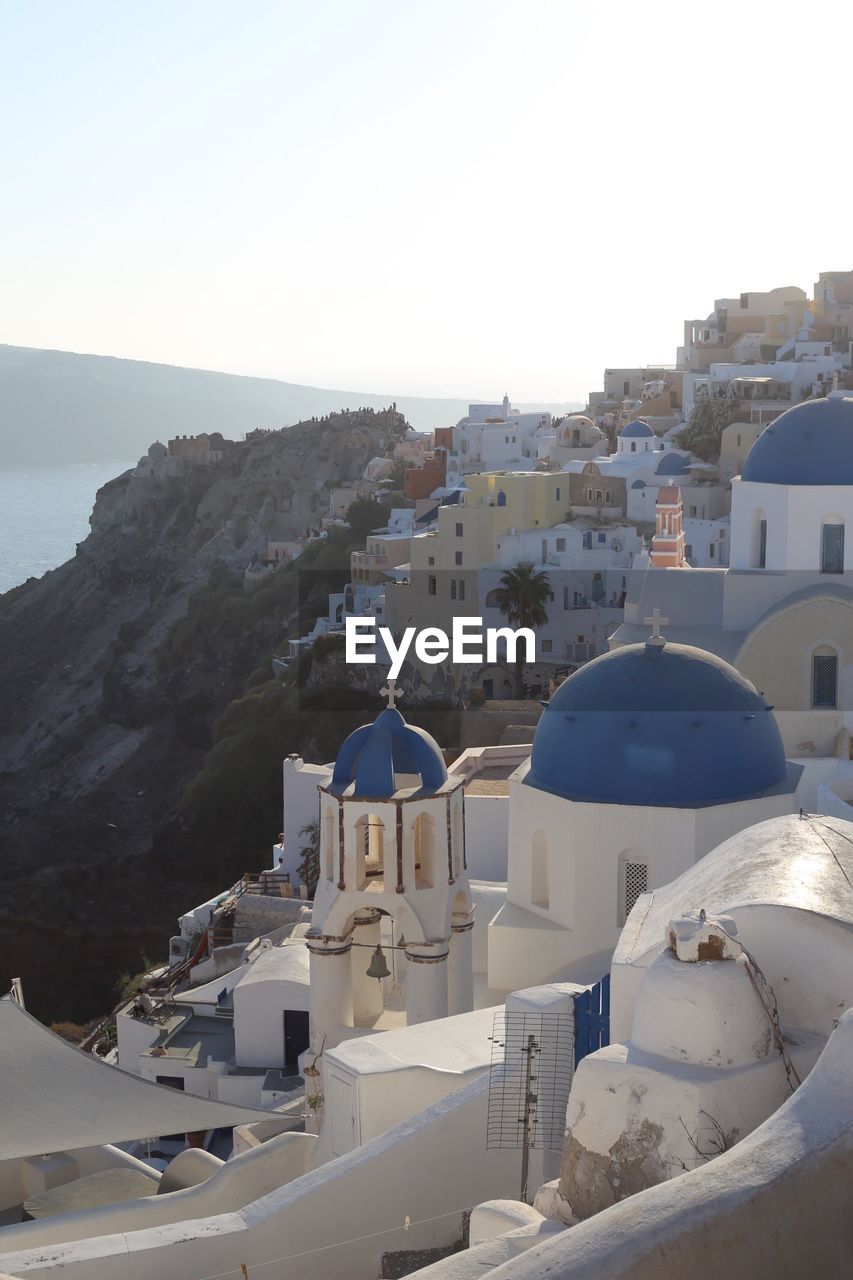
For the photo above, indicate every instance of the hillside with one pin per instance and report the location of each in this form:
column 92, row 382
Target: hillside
column 114, row 671
column 62, row 407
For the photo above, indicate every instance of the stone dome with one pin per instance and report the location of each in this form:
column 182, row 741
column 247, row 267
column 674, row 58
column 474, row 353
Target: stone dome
column 665, row 725
column 374, row 756
column 809, row 444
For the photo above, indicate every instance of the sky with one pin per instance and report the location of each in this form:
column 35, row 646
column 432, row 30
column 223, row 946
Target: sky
column 414, row 197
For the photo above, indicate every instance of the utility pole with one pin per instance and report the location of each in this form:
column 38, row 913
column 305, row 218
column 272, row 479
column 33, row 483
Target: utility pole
column 529, row 1118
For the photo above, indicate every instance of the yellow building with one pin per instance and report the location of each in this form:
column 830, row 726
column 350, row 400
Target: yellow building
column 444, row 561
column 735, row 443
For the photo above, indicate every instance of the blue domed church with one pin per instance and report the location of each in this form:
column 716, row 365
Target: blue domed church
column 643, row 761
column 782, row 612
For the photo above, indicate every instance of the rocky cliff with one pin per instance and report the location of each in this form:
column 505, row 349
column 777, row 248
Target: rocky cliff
column 106, row 718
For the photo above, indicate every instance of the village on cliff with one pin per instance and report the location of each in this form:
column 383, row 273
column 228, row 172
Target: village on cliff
column 572, row 998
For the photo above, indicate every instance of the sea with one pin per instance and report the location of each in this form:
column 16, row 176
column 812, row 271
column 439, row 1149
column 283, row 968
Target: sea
column 44, row 513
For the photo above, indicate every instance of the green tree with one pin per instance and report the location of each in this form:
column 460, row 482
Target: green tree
column 364, row 515
column 702, row 435
column 522, row 597
column 309, row 867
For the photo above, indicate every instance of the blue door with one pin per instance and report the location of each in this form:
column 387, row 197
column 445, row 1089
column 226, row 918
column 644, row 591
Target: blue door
column 592, row 1019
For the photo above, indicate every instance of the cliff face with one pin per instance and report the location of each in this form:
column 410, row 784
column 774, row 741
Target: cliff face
column 99, row 734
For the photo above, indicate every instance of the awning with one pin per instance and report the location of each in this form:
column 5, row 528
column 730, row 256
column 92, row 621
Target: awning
column 54, row 1097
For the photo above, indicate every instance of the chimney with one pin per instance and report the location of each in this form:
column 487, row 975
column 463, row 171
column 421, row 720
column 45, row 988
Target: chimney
column 668, row 542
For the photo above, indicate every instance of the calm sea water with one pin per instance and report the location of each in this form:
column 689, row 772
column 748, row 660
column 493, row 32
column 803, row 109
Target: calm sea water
column 44, row 513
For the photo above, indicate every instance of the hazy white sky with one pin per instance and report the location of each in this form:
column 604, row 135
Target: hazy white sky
column 413, row 196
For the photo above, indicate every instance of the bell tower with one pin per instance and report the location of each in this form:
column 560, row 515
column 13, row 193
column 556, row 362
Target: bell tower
column 668, row 542
column 392, row 920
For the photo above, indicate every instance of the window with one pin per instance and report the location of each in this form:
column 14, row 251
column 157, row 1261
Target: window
column 566, row 604
column 633, row 446
column 688, row 551
column 457, row 557
column 370, row 843
column 832, row 547
column 425, row 851
column 432, row 585
column 598, row 496
column 589, row 495
column 557, row 494
column 602, row 537
column 760, row 551
column 431, row 560
column 633, row 881
column 561, row 544
column 461, row 588
column 607, row 495
column 539, row 888
column 692, row 511
column 452, row 588
column 825, row 678
column 711, row 552
column 329, row 844
column 171, row 1082
column 547, row 646
column 459, row 529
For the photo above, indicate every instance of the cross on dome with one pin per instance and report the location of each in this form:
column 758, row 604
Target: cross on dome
column 390, row 692
column 656, row 621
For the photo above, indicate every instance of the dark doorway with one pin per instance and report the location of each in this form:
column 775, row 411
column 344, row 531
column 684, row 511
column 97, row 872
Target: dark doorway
column 295, row 1035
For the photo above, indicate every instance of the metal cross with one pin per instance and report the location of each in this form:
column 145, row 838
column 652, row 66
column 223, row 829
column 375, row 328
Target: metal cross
column 390, row 692
column 656, row 621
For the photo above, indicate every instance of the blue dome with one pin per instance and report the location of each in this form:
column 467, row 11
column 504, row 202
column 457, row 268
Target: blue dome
column 665, row 725
column 673, row 464
column 812, row 443
column 373, row 755
column 637, row 430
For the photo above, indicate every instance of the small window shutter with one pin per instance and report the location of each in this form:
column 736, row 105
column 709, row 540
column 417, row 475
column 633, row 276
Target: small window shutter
column 832, row 551
column 636, row 882
column 824, row 680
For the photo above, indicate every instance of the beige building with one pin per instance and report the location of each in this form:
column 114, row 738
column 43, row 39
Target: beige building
column 751, row 327
column 736, row 442
column 382, row 552
column 444, row 562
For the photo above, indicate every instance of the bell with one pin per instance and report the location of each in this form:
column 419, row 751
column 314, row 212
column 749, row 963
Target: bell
column 378, row 967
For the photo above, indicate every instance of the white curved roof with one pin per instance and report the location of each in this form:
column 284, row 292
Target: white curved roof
column 805, row 864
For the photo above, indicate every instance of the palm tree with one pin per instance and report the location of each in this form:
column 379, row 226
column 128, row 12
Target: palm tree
column 521, row 598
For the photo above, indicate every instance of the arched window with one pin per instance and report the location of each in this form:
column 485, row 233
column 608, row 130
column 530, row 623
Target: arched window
column 493, row 599
column 425, row 851
column 825, row 678
column 633, row 881
column 501, row 498
column 832, row 545
column 458, row 838
column 370, row 850
column 539, row 887
column 759, row 540
column 328, row 837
